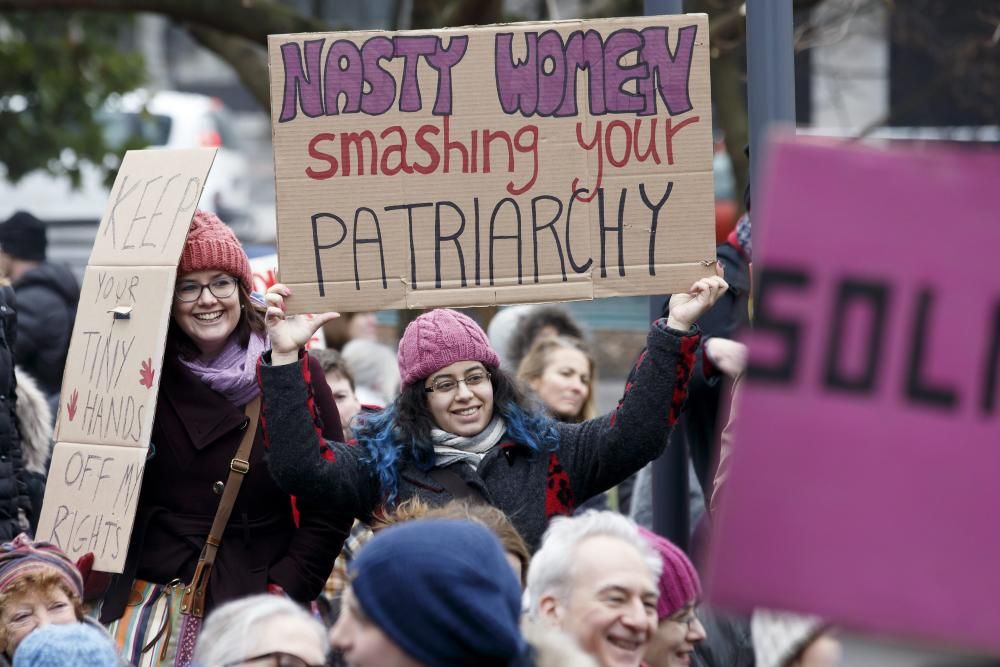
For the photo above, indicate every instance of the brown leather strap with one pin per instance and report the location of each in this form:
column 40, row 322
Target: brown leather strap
column 193, row 601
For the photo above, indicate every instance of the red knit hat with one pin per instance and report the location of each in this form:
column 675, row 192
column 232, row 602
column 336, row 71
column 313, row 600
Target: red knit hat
column 679, row 583
column 211, row 244
column 438, row 339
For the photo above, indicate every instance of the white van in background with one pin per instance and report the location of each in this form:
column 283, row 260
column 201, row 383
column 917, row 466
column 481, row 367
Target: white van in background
column 165, row 119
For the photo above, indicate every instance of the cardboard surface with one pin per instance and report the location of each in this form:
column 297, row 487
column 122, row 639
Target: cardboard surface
column 112, row 374
column 499, row 164
column 863, row 486
column 152, row 201
column 90, row 501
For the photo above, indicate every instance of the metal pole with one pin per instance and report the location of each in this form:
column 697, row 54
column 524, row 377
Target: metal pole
column 770, row 75
column 670, row 488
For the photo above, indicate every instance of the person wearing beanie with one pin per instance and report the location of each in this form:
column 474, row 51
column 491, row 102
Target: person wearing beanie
column 76, row 645
column 215, row 337
column 39, row 587
column 462, row 428
column 431, row 593
column 679, row 629
column 47, row 297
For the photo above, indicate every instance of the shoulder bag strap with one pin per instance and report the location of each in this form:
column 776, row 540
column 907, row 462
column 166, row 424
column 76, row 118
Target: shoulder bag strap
column 193, row 601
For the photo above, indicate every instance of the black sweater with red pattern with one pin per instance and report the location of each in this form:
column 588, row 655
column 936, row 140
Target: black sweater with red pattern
column 530, row 487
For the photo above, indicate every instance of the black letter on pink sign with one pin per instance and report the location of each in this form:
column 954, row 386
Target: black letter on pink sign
column 918, row 389
column 992, row 366
column 317, row 247
column 765, row 322
column 876, row 295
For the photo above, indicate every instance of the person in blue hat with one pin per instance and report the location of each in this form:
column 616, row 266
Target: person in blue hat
column 431, row 593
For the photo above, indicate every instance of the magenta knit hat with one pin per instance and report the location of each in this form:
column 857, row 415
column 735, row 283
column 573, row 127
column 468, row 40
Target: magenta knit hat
column 21, row 556
column 211, row 244
column 679, row 583
column 438, row 339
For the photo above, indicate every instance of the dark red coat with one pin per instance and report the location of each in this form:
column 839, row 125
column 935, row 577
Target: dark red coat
column 195, row 435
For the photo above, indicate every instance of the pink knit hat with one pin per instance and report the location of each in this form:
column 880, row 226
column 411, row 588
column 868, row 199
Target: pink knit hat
column 438, row 339
column 211, row 244
column 679, row 583
column 21, row 556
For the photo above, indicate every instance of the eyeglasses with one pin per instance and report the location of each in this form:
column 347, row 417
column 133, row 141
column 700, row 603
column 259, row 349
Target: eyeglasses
column 277, row 659
column 689, row 619
column 222, row 287
column 446, row 385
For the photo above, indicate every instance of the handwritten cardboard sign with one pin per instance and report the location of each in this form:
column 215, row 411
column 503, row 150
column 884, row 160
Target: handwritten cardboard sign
column 112, row 373
column 863, row 486
column 510, row 163
column 98, row 489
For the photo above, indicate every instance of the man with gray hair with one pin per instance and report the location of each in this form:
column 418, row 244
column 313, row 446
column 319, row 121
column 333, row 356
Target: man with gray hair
column 595, row 578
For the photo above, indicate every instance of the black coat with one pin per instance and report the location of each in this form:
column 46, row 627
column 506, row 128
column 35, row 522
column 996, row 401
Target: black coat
column 195, row 434
column 13, row 489
column 47, row 297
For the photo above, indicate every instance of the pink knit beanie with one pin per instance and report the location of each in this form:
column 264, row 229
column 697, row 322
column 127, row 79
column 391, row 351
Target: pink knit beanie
column 679, row 583
column 211, row 244
column 438, row 339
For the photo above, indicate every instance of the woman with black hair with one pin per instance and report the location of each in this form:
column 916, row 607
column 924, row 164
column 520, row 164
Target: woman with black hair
column 461, row 427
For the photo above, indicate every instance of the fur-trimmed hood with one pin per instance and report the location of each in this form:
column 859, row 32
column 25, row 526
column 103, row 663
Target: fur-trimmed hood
column 34, row 419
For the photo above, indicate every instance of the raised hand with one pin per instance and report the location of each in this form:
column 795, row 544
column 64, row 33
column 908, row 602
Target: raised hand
column 288, row 333
column 687, row 307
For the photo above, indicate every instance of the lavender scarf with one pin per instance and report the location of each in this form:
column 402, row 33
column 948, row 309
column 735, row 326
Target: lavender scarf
column 234, row 372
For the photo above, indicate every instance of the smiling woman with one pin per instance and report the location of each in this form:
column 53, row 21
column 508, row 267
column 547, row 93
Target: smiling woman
column 215, row 338
column 461, row 428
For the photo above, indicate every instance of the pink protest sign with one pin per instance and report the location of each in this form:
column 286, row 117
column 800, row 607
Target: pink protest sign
column 864, row 484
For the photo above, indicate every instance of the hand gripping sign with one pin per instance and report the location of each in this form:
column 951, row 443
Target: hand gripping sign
column 510, row 163
column 111, row 378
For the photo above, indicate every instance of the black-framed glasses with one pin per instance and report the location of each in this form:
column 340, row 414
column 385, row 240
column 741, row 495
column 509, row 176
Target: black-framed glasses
column 277, row 659
column 222, row 287
column 446, row 385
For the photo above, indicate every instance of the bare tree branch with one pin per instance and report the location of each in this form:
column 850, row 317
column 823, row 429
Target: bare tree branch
column 247, row 59
column 250, row 19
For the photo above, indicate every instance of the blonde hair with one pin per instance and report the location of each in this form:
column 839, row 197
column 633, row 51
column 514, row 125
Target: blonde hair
column 533, row 366
column 43, row 580
column 485, row 515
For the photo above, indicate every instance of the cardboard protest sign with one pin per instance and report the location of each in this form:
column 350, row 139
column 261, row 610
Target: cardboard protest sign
column 98, row 488
column 508, row 163
column 112, row 373
column 863, row 484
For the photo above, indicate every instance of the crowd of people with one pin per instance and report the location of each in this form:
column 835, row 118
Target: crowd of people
column 441, row 504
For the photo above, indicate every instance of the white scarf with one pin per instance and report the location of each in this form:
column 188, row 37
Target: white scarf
column 449, row 448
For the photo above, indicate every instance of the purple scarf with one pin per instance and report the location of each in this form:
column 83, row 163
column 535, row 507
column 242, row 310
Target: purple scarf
column 234, row 372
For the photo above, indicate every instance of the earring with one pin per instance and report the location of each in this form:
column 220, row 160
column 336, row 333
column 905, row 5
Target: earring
column 243, row 306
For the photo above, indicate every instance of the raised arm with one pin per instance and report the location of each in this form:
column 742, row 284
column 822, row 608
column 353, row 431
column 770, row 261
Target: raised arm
column 602, row 452
column 296, row 458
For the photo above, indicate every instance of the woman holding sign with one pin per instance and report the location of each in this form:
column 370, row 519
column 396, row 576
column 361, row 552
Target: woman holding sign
column 208, row 387
column 462, row 429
